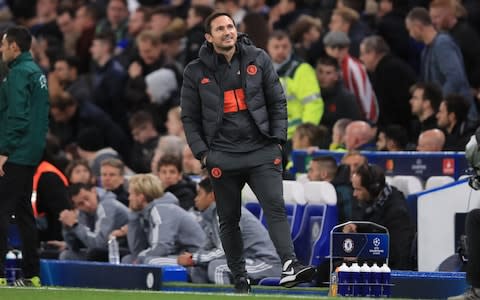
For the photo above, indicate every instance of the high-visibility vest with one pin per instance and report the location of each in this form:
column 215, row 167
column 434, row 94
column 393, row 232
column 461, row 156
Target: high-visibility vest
column 304, row 101
column 44, row 167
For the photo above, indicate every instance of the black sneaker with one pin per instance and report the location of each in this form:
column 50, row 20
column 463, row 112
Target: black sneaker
column 242, row 286
column 294, row 273
column 30, row 282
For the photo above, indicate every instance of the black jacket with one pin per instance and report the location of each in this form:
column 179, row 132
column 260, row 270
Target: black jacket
column 390, row 210
column 202, row 97
column 469, row 43
column 458, row 138
column 186, row 191
column 339, row 103
column 391, row 82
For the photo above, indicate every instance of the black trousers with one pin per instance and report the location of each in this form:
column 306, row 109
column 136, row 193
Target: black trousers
column 473, row 233
column 262, row 170
column 15, row 198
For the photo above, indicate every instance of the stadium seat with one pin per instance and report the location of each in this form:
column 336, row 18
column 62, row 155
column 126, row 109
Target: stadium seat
column 389, row 179
column 293, row 194
column 302, row 178
column 320, row 215
column 407, row 184
column 320, row 192
column 436, row 181
column 249, row 199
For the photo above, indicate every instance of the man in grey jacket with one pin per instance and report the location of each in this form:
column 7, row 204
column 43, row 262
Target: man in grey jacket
column 158, row 228
column 88, row 227
column 209, row 263
column 434, row 65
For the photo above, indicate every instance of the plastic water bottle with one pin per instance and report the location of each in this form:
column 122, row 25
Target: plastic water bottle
column 365, row 279
column 344, row 280
column 356, row 280
column 386, row 274
column 333, row 283
column 10, row 267
column 113, row 252
column 376, row 280
column 18, row 263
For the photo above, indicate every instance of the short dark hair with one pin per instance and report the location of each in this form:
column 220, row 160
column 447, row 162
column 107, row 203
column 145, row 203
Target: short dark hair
column 202, row 11
column 420, row 14
column 107, row 37
column 73, row 164
column 21, row 36
column 358, row 5
column 124, row 2
column 66, row 10
column 164, row 10
column 171, row 160
column 72, row 61
column 279, row 35
column 91, row 11
column 208, row 21
column 329, row 163
column 372, row 178
column 206, row 184
column 140, row 118
column 74, row 189
column 62, row 101
column 458, row 105
column 397, row 134
column 327, row 60
column 431, row 92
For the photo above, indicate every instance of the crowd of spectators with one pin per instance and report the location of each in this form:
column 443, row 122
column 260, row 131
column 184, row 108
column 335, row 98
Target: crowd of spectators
column 386, row 75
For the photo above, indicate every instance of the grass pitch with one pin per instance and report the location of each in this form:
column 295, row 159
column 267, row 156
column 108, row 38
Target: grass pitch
column 51, row 293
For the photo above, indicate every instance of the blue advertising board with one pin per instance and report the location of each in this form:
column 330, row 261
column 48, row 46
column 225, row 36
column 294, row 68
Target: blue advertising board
column 420, row 164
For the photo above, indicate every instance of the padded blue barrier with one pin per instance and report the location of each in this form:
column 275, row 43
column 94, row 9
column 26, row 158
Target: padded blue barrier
column 427, row 285
column 312, row 242
column 416, row 285
column 105, row 275
column 420, row 164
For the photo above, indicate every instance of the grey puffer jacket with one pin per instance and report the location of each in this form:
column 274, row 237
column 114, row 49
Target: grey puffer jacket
column 202, row 96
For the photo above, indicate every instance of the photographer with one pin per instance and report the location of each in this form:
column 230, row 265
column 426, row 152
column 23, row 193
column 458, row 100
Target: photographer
column 472, row 152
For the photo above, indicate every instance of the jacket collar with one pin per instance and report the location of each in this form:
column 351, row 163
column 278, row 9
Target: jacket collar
column 24, row 56
column 248, row 52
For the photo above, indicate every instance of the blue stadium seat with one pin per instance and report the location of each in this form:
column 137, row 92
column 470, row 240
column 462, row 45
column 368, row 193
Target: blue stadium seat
column 254, row 208
column 312, row 242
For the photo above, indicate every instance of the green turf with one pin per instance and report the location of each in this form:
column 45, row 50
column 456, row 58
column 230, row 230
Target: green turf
column 46, row 293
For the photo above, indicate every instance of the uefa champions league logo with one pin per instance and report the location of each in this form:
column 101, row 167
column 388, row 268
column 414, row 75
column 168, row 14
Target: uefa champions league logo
column 376, row 242
column 348, row 245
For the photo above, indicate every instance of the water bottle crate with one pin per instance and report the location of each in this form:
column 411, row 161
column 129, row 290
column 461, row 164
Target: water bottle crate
column 355, row 280
column 364, row 284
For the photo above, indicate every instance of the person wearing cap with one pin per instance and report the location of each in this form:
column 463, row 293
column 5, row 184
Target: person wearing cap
column 354, row 74
column 299, row 81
